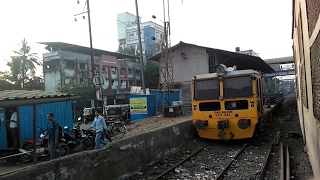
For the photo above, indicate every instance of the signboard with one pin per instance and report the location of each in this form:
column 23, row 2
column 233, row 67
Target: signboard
column 138, row 105
column 98, row 80
column 120, row 96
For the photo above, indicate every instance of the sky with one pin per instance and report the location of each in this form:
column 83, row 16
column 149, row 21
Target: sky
column 261, row 25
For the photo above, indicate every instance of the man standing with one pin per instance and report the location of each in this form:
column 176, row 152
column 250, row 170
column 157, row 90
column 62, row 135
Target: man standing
column 53, row 132
column 100, row 125
column 14, row 127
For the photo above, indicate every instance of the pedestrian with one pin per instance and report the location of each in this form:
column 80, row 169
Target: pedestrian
column 100, row 125
column 53, row 132
column 14, row 127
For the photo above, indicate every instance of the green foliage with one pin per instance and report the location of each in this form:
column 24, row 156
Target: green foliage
column 22, row 70
column 127, row 49
column 23, row 64
column 83, row 89
column 152, row 74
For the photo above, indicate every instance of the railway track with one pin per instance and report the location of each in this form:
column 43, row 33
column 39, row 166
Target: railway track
column 231, row 164
column 284, row 171
column 261, row 172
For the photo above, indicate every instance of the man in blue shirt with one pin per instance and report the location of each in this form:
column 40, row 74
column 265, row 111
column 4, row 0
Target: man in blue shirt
column 53, row 132
column 100, row 125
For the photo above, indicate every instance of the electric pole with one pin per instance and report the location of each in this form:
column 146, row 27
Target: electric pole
column 140, row 46
column 91, row 51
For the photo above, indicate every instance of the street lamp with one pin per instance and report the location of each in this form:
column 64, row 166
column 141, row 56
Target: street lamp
column 91, row 49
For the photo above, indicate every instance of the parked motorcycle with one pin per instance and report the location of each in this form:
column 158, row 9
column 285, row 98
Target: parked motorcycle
column 89, row 140
column 74, row 137
column 41, row 148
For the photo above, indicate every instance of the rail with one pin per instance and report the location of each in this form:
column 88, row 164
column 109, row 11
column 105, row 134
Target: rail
column 13, row 155
column 265, row 164
column 228, row 165
column 262, row 170
column 284, row 171
column 184, row 160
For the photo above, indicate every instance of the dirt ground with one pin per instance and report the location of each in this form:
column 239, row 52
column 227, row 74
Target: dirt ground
column 147, row 124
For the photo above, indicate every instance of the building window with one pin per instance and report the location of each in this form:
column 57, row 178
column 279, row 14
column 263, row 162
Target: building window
column 114, row 70
column 130, row 71
column 69, row 64
column 123, row 71
column 104, row 69
column 82, row 65
column 138, row 72
column 211, row 63
column 96, row 69
column 131, row 83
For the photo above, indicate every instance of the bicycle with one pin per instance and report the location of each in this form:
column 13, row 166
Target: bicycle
column 116, row 128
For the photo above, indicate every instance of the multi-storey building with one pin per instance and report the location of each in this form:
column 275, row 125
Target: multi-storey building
column 151, row 34
column 67, row 62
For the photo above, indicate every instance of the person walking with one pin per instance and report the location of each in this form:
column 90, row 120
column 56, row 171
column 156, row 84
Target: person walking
column 53, row 132
column 14, row 128
column 100, row 125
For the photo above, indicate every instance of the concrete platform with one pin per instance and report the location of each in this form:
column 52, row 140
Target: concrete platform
column 114, row 161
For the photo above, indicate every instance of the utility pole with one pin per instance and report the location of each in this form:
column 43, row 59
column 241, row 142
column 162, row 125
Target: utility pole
column 140, row 46
column 166, row 81
column 91, row 50
column 91, row 54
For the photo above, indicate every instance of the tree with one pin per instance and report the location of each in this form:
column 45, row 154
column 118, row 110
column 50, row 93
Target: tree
column 153, row 49
column 127, row 49
column 24, row 63
column 152, row 74
column 83, row 89
column 35, row 83
column 22, row 70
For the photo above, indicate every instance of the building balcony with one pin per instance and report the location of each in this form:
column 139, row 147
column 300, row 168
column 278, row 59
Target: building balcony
column 114, row 76
column 138, row 77
column 130, row 75
column 114, row 86
column 70, row 72
column 106, row 85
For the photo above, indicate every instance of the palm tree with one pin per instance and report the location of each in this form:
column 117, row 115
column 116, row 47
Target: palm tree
column 24, row 61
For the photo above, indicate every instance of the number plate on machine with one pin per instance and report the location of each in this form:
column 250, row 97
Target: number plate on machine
column 170, row 109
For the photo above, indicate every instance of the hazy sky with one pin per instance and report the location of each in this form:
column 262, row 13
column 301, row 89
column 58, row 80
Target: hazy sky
column 261, row 25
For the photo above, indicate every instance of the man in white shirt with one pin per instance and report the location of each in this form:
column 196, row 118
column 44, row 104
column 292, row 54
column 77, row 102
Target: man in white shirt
column 13, row 126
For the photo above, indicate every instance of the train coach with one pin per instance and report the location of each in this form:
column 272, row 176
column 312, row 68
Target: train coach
column 230, row 104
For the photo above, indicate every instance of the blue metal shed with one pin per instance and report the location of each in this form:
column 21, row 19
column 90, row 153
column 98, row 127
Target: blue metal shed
column 62, row 113
column 44, row 102
column 151, row 106
column 172, row 96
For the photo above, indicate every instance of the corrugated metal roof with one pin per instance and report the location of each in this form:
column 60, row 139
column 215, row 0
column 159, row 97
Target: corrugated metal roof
column 85, row 50
column 232, row 58
column 25, row 94
column 282, row 60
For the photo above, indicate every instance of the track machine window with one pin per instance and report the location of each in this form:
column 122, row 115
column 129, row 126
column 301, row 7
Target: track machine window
column 206, row 89
column 237, row 87
column 209, row 106
column 236, row 105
